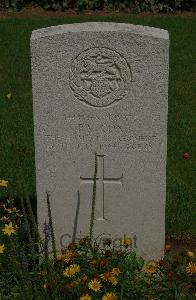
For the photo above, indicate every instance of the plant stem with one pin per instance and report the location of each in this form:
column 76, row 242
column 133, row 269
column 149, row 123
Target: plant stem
column 93, row 199
column 51, row 226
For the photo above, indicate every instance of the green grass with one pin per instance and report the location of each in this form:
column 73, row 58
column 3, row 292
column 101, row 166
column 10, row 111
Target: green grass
column 16, row 115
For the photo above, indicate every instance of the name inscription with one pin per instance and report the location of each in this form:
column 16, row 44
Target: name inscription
column 109, row 132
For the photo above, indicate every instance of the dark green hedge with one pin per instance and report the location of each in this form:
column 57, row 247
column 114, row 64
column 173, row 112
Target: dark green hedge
column 134, row 5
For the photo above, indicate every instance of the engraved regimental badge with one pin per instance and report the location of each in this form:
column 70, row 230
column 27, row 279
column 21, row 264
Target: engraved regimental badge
column 99, row 77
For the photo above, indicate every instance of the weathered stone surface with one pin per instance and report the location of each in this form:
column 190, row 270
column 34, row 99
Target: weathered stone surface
column 102, row 87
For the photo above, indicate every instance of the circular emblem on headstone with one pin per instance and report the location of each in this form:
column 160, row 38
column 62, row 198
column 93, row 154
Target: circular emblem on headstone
column 99, row 77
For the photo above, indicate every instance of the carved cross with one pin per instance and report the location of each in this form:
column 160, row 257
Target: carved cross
column 100, row 182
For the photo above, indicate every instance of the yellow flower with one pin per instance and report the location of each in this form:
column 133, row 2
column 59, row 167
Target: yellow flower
column 109, row 296
column 11, row 210
column 106, row 276
column 94, row 285
column 4, row 218
column 168, row 247
column 9, row 229
column 19, row 215
column 116, row 271
column 126, row 242
column 109, row 276
column 85, row 297
column 151, row 268
column 113, row 280
column 191, row 268
column 71, row 270
column 60, row 257
column 14, row 209
column 9, row 96
column 69, row 256
column 3, row 183
column 190, row 254
column 2, row 248
column 83, row 279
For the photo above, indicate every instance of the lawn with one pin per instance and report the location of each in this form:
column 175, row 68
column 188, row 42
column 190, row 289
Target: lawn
column 16, row 114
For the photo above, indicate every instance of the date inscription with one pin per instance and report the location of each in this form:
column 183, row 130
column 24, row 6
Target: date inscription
column 108, row 133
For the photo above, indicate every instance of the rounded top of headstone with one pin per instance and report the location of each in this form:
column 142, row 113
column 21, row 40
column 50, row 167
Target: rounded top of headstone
column 100, row 27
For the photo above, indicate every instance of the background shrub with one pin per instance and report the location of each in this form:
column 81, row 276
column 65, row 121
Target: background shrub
column 135, row 5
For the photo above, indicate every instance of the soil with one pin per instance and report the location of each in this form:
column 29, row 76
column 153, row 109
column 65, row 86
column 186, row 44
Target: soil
column 38, row 12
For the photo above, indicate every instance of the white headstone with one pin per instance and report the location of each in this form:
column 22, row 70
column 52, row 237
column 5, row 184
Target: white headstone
column 102, row 88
